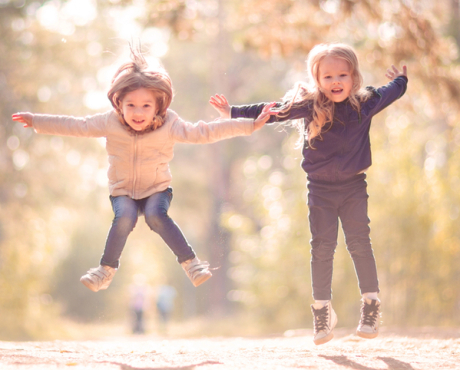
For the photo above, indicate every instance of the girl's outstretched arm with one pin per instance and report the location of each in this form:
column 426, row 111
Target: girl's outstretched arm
column 254, row 110
column 220, row 129
column 89, row 126
column 387, row 94
column 220, row 104
column 264, row 116
column 395, row 72
column 23, row 117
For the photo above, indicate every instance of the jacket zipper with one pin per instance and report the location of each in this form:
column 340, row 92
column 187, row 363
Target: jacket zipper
column 134, row 165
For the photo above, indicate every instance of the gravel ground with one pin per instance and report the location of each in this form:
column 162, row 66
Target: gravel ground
column 394, row 349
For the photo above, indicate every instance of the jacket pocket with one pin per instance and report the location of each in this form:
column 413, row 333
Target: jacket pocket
column 163, row 173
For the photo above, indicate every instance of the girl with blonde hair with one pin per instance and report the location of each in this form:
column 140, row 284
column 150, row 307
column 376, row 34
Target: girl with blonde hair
column 333, row 114
column 141, row 132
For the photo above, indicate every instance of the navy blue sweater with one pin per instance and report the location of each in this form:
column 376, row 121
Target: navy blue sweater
column 344, row 148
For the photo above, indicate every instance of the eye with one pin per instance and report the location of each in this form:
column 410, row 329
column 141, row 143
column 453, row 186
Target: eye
column 146, row 105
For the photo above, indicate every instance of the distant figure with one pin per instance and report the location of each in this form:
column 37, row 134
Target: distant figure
column 333, row 114
column 165, row 304
column 139, row 297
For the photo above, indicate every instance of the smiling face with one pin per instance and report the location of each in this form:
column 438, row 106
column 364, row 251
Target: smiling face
column 335, row 79
column 139, row 108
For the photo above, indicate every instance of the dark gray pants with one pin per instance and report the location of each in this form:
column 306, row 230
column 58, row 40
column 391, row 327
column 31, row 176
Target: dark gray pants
column 327, row 202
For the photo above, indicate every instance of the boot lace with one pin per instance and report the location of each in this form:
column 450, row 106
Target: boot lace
column 369, row 313
column 320, row 319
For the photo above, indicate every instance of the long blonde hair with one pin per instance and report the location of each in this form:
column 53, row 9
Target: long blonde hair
column 310, row 93
column 136, row 75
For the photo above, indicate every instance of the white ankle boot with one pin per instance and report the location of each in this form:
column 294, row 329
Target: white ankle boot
column 324, row 321
column 370, row 318
column 196, row 270
column 98, row 278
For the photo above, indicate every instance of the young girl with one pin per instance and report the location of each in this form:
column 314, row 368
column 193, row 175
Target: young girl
column 333, row 114
column 141, row 132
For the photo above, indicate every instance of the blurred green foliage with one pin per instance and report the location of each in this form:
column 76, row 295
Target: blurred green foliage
column 241, row 203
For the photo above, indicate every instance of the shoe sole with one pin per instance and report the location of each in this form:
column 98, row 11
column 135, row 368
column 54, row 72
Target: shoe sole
column 326, row 339
column 89, row 285
column 366, row 335
column 201, row 279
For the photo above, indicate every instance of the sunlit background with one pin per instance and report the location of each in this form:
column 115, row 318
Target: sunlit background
column 241, row 203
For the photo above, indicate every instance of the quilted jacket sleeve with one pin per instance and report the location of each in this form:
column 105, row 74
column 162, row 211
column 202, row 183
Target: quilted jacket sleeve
column 209, row 132
column 89, row 126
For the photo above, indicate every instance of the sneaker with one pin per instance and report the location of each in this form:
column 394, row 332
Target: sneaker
column 196, row 270
column 370, row 318
column 98, row 278
column 324, row 321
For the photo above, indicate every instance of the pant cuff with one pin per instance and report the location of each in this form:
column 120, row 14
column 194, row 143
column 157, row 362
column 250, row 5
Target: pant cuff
column 186, row 258
column 114, row 265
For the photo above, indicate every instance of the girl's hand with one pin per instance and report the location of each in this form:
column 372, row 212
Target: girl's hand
column 220, row 104
column 264, row 116
column 395, row 72
column 23, row 117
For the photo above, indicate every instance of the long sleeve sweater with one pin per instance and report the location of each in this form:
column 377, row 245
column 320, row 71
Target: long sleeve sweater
column 139, row 162
column 343, row 148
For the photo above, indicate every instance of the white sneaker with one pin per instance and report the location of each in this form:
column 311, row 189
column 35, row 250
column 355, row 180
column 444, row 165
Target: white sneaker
column 196, row 270
column 324, row 321
column 98, row 278
column 370, row 318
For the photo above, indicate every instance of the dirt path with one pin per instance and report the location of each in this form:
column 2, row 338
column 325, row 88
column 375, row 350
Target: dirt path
column 417, row 349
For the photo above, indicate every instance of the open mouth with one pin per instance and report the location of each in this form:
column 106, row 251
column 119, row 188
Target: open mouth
column 138, row 122
column 336, row 91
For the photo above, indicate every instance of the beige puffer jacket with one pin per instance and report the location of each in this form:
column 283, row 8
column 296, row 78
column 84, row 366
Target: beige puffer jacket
column 139, row 163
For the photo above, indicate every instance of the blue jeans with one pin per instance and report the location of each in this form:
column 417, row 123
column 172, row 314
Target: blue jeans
column 155, row 209
column 327, row 202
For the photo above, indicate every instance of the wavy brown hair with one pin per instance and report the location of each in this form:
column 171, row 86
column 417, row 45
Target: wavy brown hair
column 136, row 75
column 310, row 93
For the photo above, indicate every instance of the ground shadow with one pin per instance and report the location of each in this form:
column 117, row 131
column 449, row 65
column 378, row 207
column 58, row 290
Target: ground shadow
column 396, row 364
column 391, row 362
column 345, row 361
column 188, row 367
